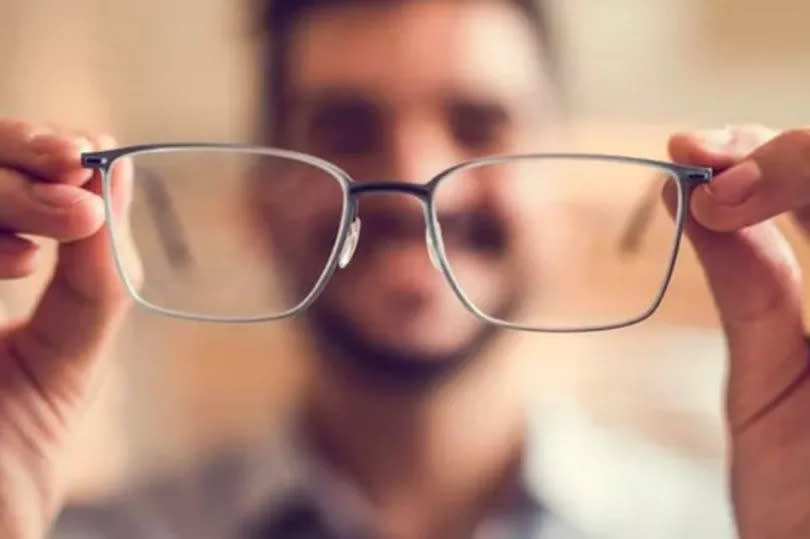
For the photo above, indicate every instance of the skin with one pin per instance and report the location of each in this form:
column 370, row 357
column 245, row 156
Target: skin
column 52, row 363
column 390, row 293
column 756, row 284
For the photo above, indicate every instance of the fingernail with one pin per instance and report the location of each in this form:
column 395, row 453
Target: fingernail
column 735, row 185
column 715, row 140
column 58, row 195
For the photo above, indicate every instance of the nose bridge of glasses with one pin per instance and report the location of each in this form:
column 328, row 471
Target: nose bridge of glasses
column 383, row 187
column 422, row 192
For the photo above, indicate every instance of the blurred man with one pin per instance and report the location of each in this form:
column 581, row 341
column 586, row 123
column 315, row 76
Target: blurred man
column 415, row 431
column 411, row 430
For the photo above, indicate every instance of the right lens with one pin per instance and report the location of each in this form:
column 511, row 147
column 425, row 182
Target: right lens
column 228, row 233
column 579, row 242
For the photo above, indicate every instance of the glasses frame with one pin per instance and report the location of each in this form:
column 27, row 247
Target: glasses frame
column 687, row 177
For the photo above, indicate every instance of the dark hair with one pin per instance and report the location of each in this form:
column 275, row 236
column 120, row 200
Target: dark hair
column 279, row 18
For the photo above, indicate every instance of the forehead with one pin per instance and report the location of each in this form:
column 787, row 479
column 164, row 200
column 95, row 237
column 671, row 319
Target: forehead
column 400, row 49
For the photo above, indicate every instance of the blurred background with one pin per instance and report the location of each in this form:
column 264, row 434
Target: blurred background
column 635, row 71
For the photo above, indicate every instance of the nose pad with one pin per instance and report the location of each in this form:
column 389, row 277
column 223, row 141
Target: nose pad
column 433, row 253
column 350, row 245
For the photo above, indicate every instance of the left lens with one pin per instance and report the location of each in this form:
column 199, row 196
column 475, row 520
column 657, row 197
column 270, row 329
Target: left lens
column 558, row 243
column 228, row 233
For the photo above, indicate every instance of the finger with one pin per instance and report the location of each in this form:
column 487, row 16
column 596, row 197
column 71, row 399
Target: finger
column 754, row 279
column 83, row 302
column 755, row 282
column 773, row 179
column 58, row 211
column 44, row 152
column 706, row 150
column 74, row 258
column 17, row 256
column 719, row 148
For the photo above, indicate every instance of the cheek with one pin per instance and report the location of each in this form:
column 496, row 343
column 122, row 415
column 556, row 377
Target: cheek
column 299, row 213
column 298, row 237
column 516, row 205
column 540, row 228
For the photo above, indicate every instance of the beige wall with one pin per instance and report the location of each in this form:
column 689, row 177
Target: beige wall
column 154, row 70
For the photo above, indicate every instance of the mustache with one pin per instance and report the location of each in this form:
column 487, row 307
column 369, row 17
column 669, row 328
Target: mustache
column 480, row 230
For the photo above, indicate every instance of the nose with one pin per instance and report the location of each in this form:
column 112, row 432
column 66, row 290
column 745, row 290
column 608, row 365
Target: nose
column 420, row 148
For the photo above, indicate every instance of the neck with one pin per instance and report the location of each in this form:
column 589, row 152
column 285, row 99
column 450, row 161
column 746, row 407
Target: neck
column 431, row 459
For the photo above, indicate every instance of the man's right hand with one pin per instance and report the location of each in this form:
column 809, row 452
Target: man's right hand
column 50, row 363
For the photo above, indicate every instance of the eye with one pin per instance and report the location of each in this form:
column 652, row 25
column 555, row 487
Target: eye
column 479, row 126
column 345, row 126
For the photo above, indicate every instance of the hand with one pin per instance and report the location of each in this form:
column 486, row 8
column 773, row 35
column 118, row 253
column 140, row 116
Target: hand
column 755, row 280
column 51, row 362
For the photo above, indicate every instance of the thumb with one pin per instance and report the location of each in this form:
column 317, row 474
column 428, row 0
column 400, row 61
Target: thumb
column 83, row 303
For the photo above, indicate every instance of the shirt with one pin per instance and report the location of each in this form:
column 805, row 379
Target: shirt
column 277, row 489
column 579, row 478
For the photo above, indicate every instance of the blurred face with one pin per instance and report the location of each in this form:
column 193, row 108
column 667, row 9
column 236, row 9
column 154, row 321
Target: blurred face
column 400, row 91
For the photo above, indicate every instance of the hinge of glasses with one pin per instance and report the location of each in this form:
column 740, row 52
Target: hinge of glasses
column 701, row 176
column 93, row 161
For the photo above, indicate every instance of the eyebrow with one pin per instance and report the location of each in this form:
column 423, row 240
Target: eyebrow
column 313, row 97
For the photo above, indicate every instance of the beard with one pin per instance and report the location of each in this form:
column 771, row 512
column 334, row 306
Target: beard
column 349, row 350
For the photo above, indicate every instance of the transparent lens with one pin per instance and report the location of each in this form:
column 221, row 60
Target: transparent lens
column 558, row 243
column 227, row 233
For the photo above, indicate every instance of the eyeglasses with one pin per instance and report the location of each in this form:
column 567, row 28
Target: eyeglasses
column 543, row 242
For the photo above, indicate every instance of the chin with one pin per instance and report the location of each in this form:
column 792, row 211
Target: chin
column 433, row 322
column 425, row 343
column 421, row 348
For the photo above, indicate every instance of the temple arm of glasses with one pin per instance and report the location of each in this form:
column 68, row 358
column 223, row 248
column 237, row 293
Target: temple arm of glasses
column 640, row 218
column 642, row 215
column 163, row 212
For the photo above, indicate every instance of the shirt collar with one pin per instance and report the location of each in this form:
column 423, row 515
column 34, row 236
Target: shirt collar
column 289, row 484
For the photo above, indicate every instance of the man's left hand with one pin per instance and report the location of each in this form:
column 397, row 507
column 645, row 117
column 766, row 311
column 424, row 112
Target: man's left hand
column 756, row 283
